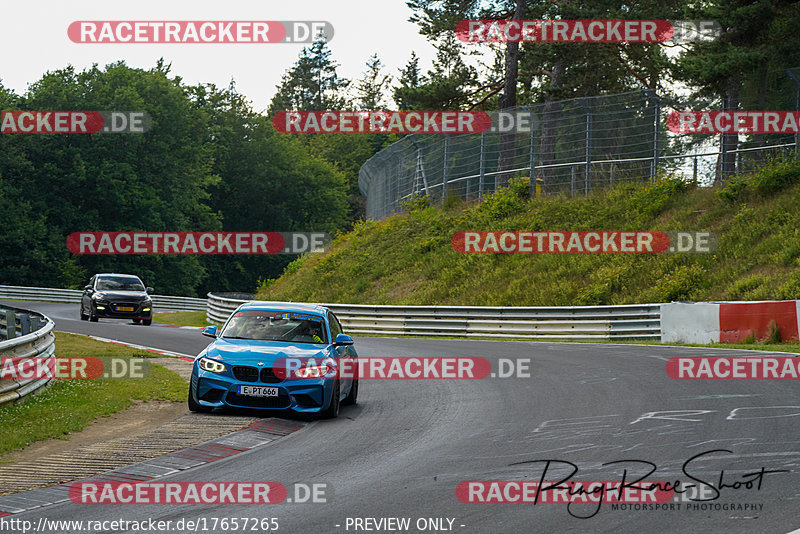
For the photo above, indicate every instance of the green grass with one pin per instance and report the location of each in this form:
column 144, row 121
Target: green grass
column 182, row 318
column 408, row 259
column 67, row 406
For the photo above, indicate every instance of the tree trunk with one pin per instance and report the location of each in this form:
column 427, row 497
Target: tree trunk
column 505, row 158
column 729, row 142
column 761, row 104
column 547, row 153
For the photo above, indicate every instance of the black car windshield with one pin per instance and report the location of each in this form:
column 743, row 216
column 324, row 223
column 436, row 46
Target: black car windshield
column 119, row 283
column 275, row 326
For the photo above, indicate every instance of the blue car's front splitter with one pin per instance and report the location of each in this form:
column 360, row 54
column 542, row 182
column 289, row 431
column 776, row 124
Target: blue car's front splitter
column 299, row 395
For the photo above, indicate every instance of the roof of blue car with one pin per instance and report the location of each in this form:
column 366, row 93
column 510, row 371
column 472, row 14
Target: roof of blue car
column 285, row 306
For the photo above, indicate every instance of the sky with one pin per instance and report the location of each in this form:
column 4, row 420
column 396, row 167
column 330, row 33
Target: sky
column 39, row 42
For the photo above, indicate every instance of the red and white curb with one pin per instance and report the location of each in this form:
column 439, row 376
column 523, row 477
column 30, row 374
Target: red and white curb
column 256, row 435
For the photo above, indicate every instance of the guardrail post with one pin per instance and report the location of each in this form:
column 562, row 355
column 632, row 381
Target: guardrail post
column 35, row 324
column 24, row 324
column 11, row 325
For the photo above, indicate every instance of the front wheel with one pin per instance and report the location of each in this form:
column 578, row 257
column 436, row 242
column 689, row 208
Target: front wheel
column 147, row 322
column 333, row 408
column 194, row 406
column 352, row 397
column 92, row 317
column 84, row 317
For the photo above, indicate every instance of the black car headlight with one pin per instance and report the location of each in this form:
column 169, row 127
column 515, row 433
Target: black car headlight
column 211, row 365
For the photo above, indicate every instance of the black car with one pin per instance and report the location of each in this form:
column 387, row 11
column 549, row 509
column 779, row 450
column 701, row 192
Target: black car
column 117, row 296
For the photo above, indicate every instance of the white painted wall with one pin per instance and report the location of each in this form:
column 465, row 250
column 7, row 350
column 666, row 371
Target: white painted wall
column 696, row 322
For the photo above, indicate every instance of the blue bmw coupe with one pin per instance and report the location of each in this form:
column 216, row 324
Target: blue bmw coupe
column 246, row 364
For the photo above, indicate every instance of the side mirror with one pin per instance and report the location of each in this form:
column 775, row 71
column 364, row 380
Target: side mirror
column 210, row 331
column 343, row 339
column 148, row 289
column 87, row 288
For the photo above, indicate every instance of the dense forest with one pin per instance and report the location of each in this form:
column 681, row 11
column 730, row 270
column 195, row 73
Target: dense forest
column 210, row 162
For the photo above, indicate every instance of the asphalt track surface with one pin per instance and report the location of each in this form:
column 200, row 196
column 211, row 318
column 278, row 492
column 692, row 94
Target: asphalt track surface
column 404, row 448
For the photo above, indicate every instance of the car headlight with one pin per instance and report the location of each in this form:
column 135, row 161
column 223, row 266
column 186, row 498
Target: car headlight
column 211, row 365
column 98, row 296
column 311, row 370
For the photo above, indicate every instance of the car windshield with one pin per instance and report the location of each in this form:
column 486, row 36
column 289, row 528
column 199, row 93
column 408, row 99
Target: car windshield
column 276, row 326
column 119, row 283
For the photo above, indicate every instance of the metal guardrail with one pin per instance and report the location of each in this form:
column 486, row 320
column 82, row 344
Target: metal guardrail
column 73, row 296
column 635, row 321
column 35, row 342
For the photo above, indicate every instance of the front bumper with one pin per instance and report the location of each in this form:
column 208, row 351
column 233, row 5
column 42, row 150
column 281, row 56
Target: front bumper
column 115, row 310
column 302, row 396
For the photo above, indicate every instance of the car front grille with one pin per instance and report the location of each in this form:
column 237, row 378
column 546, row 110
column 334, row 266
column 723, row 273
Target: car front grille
column 245, row 373
column 113, row 306
column 268, row 376
column 247, row 401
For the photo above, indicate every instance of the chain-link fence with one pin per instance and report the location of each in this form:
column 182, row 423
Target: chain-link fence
column 573, row 146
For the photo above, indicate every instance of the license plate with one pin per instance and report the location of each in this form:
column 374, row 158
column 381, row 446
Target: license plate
column 257, row 391
column 124, row 308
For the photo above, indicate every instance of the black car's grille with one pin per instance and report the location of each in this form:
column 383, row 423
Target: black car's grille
column 258, row 402
column 245, row 373
column 116, row 305
column 268, row 376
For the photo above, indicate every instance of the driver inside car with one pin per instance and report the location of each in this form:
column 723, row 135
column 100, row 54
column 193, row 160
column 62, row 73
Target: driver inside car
column 309, row 331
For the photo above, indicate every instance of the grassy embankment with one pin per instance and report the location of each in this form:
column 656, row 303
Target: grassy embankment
column 408, row 258
column 181, row 318
column 66, row 406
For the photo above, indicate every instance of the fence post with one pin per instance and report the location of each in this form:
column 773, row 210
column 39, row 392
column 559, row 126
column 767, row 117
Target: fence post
column 444, row 166
column 694, row 170
column 588, row 169
column 797, row 107
column 482, row 165
column 532, row 184
column 572, row 181
column 656, row 124
column 738, row 163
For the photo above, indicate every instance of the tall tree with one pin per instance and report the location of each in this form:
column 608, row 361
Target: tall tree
column 758, row 38
column 449, row 85
column 370, row 89
column 312, row 84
